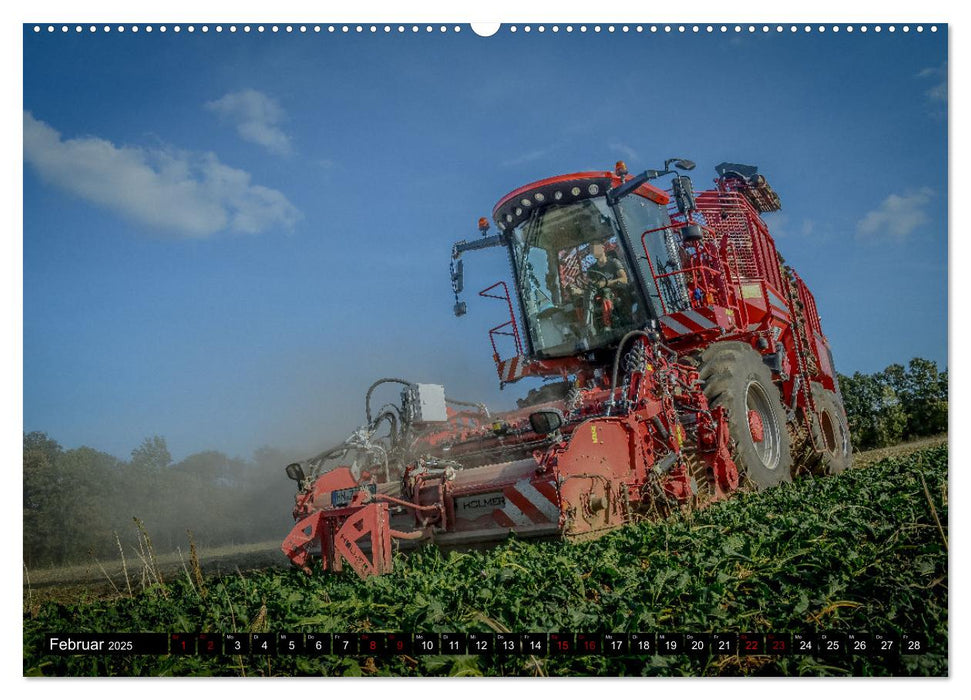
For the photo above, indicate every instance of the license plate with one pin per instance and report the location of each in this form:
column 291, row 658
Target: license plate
column 342, row 497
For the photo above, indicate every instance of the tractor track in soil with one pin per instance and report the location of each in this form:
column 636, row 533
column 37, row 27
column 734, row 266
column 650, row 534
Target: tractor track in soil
column 80, row 581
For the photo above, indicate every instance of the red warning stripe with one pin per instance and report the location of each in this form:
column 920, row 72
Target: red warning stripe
column 547, row 489
column 524, row 505
column 686, row 322
column 512, row 369
column 513, row 366
column 502, row 519
column 528, row 503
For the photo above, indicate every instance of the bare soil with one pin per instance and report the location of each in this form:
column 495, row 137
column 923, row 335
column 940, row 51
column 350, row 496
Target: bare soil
column 107, row 579
column 862, row 459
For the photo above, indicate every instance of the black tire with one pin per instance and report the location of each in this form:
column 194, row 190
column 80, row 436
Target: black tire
column 834, row 432
column 557, row 391
column 736, row 378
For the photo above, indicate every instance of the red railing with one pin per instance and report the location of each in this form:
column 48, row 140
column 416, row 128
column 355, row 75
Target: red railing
column 493, row 332
column 707, row 281
column 729, row 214
column 809, row 304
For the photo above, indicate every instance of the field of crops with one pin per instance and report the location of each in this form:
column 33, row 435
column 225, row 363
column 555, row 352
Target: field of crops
column 858, row 552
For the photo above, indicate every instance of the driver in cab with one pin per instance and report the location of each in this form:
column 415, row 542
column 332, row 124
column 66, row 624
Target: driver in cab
column 608, row 276
column 607, row 272
column 614, row 274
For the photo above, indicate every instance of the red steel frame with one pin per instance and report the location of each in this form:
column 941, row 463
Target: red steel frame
column 493, row 332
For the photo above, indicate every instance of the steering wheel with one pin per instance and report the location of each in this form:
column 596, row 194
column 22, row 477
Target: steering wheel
column 590, row 282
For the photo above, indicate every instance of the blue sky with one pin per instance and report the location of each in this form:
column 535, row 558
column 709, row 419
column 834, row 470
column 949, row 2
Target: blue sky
column 227, row 237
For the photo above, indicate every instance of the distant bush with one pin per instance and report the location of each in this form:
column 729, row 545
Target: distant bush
column 76, row 500
column 896, row 404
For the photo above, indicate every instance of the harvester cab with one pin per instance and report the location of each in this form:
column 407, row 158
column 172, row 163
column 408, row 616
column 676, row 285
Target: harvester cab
column 585, row 271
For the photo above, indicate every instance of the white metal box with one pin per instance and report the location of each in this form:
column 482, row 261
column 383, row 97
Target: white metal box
column 426, row 402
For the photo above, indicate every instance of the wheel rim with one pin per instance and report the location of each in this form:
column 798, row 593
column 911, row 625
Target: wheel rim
column 836, row 435
column 768, row 449
column 843, row 443
column 829, row 432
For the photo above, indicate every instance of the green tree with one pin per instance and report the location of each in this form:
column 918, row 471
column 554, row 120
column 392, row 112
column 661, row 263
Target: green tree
column 148, row 487
column 209, row 466
column 899, row 403
column 152, row 454
column 41, row 528
column 69, row 501
column 86, row 503
column 875, row 413
column 922, row 391
column 40, row 453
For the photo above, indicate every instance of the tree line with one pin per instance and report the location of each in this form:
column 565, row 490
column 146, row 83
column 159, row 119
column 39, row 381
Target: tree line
column 77, row 500
column 895, row 405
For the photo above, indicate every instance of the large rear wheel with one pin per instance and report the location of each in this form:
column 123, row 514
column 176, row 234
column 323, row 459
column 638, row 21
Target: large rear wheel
column 736, row 379
column 834, row 432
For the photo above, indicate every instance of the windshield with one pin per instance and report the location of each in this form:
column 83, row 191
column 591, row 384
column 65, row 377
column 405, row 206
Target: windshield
column 578, row 293
column 649, row 227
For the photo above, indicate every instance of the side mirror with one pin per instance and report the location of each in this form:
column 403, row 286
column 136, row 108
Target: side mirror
column 458, row 274
column 546, row 421
column 295, row 472
column 458, row 282
column 679, row 163
column 684, row 195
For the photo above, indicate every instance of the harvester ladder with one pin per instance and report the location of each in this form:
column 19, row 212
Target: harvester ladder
column 801, row 343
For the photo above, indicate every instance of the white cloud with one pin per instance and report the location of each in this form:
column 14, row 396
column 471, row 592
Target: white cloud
column 256, row 117
column 938, row 92
column 523, row 158
column 625, row 150
column 188, row 195
column 898, row 215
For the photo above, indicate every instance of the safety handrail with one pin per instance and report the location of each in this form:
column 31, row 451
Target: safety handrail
column 701, row 276
column 493, row 332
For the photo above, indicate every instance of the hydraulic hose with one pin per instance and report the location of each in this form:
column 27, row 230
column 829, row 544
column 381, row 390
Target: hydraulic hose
column 386, row 380
column 620, row 348
column 392, row 421
column 473, row 404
